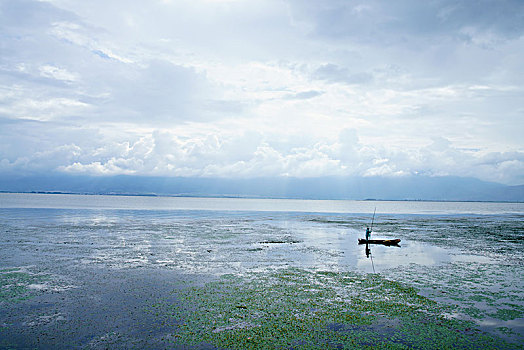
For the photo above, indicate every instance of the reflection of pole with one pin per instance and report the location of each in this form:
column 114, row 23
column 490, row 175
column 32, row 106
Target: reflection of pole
column 372, row 261
column 371, row 229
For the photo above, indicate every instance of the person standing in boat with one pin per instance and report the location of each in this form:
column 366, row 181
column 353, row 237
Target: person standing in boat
column 368, row 233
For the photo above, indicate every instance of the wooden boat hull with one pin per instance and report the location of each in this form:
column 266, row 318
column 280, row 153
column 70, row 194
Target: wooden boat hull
column 379, row 241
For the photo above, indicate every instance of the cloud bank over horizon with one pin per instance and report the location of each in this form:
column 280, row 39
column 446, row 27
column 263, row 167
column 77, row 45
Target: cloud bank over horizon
column 232, row 88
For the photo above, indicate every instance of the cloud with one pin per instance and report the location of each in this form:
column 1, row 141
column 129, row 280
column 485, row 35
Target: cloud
column 62, row 60
column 396, row 22
column 262, row 88
column 232, row 155
column 159, row 92
column 57, row 73
column 303, row 95
column 333, row 73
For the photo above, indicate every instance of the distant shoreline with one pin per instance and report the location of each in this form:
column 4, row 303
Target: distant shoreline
column 182, row 195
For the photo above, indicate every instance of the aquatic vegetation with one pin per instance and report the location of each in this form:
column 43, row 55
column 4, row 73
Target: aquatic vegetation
column 296, row 308
column 474, row 291
column 294, row 280
column 17, row 284
column 508, row 314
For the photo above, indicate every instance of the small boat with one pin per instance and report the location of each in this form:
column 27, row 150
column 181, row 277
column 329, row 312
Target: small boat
column 379, row 241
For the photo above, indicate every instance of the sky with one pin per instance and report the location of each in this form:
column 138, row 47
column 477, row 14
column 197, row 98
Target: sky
column 272, row 88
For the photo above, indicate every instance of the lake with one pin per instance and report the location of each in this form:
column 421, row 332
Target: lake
column 155, row 268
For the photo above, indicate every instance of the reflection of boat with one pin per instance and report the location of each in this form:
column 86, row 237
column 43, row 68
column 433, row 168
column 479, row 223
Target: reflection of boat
column 379, row 241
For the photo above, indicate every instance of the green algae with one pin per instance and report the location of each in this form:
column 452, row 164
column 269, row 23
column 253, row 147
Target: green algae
column 295, row 308
column 15, row 284
column 483, row 293
column 507, row 314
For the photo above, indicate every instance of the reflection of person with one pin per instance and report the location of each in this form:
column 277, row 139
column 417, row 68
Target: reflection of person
column 368, row 233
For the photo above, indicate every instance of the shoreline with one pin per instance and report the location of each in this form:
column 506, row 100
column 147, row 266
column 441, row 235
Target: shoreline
column 216, row 196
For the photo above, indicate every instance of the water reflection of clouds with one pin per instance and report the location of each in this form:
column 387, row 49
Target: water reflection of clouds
column 323, row 247
column 88, row 218
column 332, row 245
column 424, row 254
column 126, row 238
column 468, row 258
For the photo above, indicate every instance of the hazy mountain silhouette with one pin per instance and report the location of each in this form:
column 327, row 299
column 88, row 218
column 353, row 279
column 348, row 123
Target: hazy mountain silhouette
column 394, row 188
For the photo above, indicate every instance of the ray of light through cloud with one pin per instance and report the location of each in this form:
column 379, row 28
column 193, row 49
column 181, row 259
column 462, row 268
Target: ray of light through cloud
column 239, row 88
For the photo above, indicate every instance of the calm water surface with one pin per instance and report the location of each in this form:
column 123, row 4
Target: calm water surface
column 60, row 201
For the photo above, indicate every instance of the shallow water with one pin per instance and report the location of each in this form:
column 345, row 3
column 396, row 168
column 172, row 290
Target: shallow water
column 467, row 256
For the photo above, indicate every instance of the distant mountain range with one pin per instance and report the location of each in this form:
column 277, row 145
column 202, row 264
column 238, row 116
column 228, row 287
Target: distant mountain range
column 379, row 188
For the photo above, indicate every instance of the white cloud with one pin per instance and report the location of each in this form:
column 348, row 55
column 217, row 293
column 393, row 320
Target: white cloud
column 262, row 88
column 57, row 73
column 227, row 155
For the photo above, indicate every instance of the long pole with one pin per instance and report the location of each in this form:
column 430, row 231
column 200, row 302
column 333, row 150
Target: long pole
column 372, row 220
